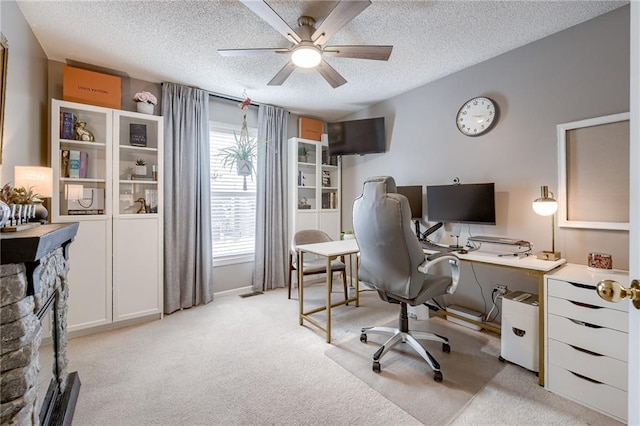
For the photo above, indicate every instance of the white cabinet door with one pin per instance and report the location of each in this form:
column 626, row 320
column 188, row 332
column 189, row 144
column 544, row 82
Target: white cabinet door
column 329, row 222
column 137, row 267
column 89, row 277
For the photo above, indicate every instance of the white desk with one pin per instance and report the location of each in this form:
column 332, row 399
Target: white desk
column 330, row 250
column 532, row 266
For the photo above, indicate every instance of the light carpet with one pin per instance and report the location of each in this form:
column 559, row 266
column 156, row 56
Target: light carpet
column 247, row 361
column 407, row 380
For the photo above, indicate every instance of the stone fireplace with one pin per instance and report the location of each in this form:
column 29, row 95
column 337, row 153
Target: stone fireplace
column 33, row 282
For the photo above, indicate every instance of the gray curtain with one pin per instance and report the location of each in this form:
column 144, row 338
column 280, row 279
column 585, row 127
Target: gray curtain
column 188, row 258
column 271, row 210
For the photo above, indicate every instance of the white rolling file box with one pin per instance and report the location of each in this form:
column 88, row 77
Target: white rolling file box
column 519, row 339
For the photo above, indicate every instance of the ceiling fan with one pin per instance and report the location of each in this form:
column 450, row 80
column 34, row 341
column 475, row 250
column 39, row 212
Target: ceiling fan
column 309, row 43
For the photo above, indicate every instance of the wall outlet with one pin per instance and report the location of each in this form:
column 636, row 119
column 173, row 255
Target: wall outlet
column 501, row 290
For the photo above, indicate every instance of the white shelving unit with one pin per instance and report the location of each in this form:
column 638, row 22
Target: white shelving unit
column 116, row 258
column 314, row 188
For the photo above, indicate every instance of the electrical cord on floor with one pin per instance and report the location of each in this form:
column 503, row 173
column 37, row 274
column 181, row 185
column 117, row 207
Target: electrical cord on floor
column 494, row 297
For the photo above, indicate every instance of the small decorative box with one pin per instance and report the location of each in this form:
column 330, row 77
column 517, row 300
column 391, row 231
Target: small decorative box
column 600, row 261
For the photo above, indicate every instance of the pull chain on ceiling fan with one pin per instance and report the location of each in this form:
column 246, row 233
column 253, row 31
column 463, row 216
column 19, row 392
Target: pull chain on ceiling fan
column 308, row 49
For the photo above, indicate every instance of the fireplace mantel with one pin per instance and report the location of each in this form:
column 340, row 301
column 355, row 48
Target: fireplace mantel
column 33, row 279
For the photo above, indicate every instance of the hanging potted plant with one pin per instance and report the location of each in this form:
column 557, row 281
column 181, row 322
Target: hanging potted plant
column 242, row 155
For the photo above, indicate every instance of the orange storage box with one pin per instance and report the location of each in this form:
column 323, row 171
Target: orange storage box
column 90, row 87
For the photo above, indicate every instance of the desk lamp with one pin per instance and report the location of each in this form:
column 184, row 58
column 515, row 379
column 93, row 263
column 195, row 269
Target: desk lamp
column 546, row 205
column 40, row 181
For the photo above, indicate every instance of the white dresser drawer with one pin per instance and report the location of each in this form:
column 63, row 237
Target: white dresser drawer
column 602, row 368
column 591, row 314
column 579, row 292
column 602, row 397
column 603, row 341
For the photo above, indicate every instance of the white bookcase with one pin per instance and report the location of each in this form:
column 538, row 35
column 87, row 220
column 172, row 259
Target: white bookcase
column 314, row 188
column 117, row 257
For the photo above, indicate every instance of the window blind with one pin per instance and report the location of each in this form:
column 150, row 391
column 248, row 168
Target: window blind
column 232, row 209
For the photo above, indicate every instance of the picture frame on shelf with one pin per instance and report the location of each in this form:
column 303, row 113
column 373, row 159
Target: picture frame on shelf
column 138, row 134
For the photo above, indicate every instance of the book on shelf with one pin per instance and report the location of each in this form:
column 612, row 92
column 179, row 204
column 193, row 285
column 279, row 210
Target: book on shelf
column 84, row 164
column 138, row 134
column 64, row 163
column 74, row 164
column 66, row 125
column 329, row 200
column 142, row 177
column 85, row 212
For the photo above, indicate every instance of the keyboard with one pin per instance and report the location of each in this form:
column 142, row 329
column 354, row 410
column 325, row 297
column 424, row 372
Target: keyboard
column 500, row 240
column 428, row 245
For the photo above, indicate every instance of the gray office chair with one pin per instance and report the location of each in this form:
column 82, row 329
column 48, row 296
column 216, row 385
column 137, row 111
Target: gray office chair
column 313, row 265
column 393, row 263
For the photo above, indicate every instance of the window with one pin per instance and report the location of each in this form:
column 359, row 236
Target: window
column 232, row 209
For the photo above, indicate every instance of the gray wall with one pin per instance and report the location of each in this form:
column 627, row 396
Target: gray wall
column 579, row 73
column 26, row 109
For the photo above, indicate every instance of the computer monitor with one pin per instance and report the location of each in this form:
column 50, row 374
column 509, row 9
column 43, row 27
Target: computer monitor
column 468, row 203
column 414, row 195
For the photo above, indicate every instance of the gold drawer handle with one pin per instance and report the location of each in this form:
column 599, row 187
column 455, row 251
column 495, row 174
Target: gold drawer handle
column 612, row 291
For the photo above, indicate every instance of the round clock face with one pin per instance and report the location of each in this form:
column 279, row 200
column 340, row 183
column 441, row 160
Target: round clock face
column 477, row 116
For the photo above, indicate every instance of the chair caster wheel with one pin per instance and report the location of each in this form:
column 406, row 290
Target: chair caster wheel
column 501, row 359
column 376, row 366
column 363, row 338
column 446, row 348
column 437, row 376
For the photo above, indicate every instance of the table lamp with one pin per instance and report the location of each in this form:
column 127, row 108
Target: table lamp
column 40, row 181
column 546, row 205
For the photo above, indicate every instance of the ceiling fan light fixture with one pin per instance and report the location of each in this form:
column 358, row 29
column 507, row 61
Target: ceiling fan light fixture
column 306, row 56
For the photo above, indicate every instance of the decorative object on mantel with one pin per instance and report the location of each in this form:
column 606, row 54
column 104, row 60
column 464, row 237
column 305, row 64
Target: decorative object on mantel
column 22, row 209
column 243, row 153
column 546, row 205
column 145, row 102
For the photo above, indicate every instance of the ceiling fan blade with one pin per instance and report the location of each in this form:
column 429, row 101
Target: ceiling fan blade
column 378, row 53
column 250, row 52
column 342, row 13
column 282, row 75
column 331, row 75
column 264, row 11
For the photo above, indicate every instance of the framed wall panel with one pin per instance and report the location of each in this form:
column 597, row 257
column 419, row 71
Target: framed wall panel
column 593, row 173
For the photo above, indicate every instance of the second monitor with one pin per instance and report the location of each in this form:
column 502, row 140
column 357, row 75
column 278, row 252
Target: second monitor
column 414, row 195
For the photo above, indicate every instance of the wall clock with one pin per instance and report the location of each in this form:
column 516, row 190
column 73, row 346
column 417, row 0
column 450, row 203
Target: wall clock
column 477, row 116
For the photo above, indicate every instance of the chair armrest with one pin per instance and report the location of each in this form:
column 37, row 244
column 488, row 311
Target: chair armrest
column 436, row 258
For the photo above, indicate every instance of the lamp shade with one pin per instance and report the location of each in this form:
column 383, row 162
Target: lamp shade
column 546, row 205
column 306, row 55
column 38, row 179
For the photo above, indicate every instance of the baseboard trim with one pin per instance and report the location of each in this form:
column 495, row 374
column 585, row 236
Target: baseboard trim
column 233, row 292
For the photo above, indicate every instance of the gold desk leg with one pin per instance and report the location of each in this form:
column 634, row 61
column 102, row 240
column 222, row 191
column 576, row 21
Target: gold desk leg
column 329, row 299
column 300, row 286
column 357, row 281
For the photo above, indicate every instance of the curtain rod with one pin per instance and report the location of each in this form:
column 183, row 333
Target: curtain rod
column 231, row 98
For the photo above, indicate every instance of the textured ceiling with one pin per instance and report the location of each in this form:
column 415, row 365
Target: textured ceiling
column 177, row 41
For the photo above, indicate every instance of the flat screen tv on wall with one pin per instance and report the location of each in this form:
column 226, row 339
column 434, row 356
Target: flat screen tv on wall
column 359, row 137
